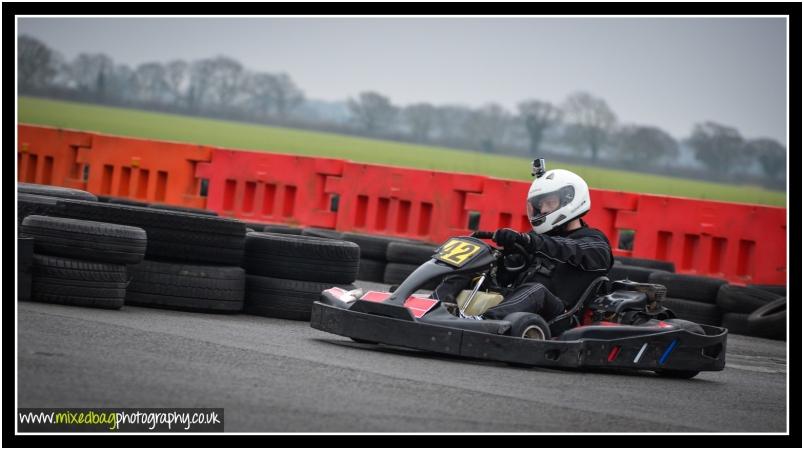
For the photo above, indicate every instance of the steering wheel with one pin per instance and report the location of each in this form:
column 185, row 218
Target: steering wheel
column 518, row 247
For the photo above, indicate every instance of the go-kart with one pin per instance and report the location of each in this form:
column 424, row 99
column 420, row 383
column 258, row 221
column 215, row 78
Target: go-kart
column 614, row 325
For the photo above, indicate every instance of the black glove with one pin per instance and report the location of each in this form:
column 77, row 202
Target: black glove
column 507, row 237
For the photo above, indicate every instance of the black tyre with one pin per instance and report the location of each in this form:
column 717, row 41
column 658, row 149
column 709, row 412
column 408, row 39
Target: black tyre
column 322, row 233
column 667, row 266
column 186, row 209
column 55, row 191
column 528, row 326
column 633, row 273
column 778, row 289
column 736, row 323
column 407, row 253
column 172, row 235
column 303, row 258
column 24, row 265
column 85, row 239
column 281, row 229
column 371, row 246
column 281, row 298
column 694, row 311
column 769, row 321
column 396, row 273
column 371, row 270
column 40, row 205
column 740, row 299
column 186, row 287
column 690, row 287
column 122, row 201
column 76, row 282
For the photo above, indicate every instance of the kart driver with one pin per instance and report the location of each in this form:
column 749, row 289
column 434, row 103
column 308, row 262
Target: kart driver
column 567, row 254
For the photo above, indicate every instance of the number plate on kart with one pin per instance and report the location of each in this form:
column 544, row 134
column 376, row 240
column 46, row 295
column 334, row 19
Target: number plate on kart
column 457, row 252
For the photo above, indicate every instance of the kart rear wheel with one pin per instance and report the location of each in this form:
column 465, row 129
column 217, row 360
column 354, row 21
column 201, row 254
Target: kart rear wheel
column 528, row 326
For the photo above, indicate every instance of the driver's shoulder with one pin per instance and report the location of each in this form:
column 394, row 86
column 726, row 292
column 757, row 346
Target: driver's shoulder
column 587, row 232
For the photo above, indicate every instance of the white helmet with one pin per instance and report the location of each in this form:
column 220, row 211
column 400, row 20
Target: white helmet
column 562, row 187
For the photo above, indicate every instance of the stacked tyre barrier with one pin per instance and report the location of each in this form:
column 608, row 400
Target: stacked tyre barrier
column 285, row 273
column 638, row 269
column 24, row 265
column 192, row 261
column 405, row 257
column 759, row 311
column 81, row 262
column 691, row 297
column 754, row 310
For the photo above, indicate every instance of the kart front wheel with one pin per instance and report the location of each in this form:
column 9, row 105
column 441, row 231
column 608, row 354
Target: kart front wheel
column 528, row 326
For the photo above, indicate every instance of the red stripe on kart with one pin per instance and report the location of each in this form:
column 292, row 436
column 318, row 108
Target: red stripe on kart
column 375, row 296
column 614, row 352
column 418, row 306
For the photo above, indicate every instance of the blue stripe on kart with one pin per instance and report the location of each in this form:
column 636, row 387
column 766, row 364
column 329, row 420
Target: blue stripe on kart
column 667, row 352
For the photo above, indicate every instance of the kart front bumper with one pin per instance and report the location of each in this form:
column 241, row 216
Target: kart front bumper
column 674, row 349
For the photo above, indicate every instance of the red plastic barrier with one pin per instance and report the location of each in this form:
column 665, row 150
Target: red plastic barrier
column 610, row 213
column 50, row 156
column 501, row 204
column 270, row 187
column 402, row 202
column 741, row 243
column 150, row 171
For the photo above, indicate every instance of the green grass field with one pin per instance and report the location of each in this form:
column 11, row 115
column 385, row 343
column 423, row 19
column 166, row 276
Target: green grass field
column 235, row 135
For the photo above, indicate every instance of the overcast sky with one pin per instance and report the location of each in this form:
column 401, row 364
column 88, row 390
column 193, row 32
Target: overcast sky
column 668, row 72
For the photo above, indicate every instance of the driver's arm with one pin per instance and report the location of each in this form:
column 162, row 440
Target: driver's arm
column 589, row 253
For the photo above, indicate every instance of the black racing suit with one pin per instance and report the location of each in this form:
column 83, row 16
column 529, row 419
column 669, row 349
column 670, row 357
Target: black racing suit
column 565, row 264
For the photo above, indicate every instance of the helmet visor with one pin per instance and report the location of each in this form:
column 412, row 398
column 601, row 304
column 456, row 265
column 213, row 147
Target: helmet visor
column 541, row 205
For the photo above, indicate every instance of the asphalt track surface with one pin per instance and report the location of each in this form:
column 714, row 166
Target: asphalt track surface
column 273, row 375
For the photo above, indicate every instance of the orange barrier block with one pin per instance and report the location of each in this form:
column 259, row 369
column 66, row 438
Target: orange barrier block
column 145, row 170
column 395, row 201
column 270, row 187
column 742, row 243
column 50, row 156
column 612, row 212
column 501, row 204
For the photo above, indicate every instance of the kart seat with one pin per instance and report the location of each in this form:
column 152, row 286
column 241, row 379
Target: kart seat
column 565, row 321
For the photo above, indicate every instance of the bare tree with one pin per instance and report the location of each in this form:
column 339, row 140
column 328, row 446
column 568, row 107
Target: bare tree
column 420, row 118
column 718, row 146
column 286, row 95
column 201, row 74
column 225, row 80
column 486, row 126
column 90, row 73
column 450, row 120
column 35, row 63
column 537, row 117
column 177, row 78
column 151, row 82
column 372, row 111
column 591, row 122
column 639, row 145
column 121, row 85
column 771, row 154
column 260, row 89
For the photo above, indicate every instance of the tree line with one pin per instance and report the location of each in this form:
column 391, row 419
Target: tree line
column 222, row 87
